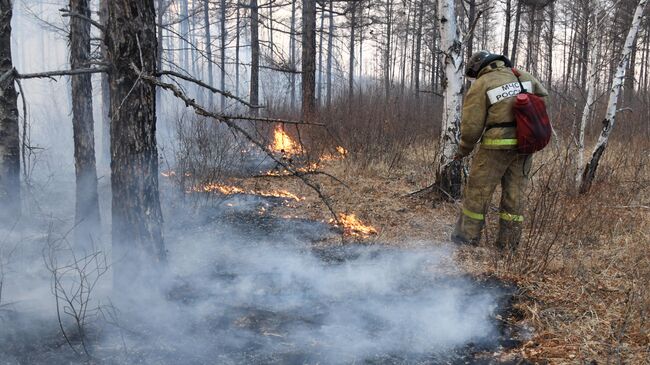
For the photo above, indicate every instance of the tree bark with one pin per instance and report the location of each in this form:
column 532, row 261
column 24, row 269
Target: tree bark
column 308, row 59
column 387, row 49
column 515, row 37
column 448, row 174
column 87, row 217
column 137, row 217
column 208, row 45
column 610, row 118
column 330, row 52
column 292, row 55
column 418, row 50
column 506, row 33
column 222, row 53
column 319, row 85
column 353, row 28
column 185, row 33
column 9, row 131
column 592, row 70
column 105, row 154
column 237, row 45
column 254, row 98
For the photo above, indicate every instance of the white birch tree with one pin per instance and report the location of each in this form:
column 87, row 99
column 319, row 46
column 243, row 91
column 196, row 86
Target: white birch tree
column 610, row 118
column 592, row 71
column 448, row 174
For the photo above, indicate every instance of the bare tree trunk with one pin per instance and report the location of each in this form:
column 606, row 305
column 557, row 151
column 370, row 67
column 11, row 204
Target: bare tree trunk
column 448, row 174
column 160, row 12
column 292, row 55
column 592, row 70
column 308, row 59
column 87, row 218
column 9, row 131
column 185, row 33
column 208, row 44
column 137, row 217
column 515, row 37
column 222, row 53
column 319, row 85
column 237, row 46
column 254, row 98
column 105, row 154
column 330, row 52
column 387, row 49
column 610, row 118
column 418, row 50
column 549, row 45
column 353, row 27
column 506, row 34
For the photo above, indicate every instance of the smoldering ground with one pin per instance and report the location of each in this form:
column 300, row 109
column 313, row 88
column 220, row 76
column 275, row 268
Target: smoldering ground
column 242, row 287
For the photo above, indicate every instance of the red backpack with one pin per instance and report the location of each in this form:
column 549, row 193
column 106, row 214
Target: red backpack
column 533, row 124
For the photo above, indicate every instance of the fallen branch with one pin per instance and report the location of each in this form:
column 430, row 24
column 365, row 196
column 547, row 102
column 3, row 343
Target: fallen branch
column 200, row 110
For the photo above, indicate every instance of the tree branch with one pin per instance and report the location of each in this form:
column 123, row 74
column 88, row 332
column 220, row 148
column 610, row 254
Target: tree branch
column 66, row 13
column 209, row 87
column 200, row 110
column 52, row 74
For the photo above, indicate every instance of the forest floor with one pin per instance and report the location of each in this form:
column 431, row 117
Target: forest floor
column 588, row 305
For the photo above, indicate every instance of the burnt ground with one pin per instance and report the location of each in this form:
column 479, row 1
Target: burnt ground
column 250, row 219
column 201, row 323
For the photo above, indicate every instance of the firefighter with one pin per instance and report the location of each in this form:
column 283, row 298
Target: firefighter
column 488, row 120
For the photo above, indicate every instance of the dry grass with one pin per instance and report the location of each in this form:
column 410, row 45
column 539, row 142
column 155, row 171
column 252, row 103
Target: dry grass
column 584, row 264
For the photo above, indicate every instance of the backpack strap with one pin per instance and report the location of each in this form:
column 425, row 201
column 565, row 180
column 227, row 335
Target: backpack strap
column 517, row 75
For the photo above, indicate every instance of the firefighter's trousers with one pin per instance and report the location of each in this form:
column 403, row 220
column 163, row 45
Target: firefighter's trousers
column 489, row 168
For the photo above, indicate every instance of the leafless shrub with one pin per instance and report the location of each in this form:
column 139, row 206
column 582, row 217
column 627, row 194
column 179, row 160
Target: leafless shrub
column 73, row 282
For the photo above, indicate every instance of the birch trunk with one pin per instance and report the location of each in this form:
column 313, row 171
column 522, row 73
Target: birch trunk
column 9, row 131
column 86, row 200
column 610, row 118
column 592, row 70
column 308, row 59
column 137, row 217
column 448, row 174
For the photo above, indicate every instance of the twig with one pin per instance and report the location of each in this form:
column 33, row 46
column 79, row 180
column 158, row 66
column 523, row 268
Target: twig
column 200, row 110
column 272, row 120
column 66, row 13
column 211, row 88
column 51, row 74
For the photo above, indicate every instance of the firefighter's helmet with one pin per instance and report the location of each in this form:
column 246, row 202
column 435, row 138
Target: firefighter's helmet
column 481, row 59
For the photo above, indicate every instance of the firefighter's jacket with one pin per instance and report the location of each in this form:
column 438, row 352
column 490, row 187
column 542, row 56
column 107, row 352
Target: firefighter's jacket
column 489, row 103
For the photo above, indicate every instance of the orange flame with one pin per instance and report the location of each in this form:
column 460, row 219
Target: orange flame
column 231, row 190
column 352, row 226
column 283, row 143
